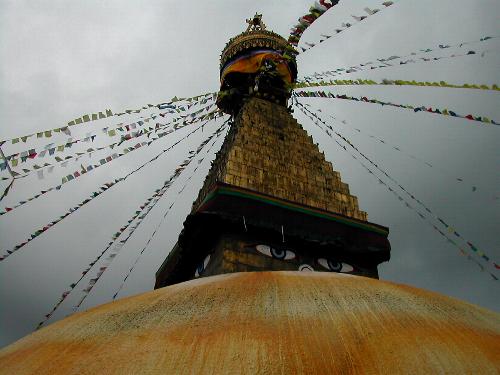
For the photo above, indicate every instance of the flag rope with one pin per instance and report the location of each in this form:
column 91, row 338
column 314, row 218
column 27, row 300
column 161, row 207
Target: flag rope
column 73, row 176
column 398, row 148
column 166, row 186
column 95, row 194
column 22, row 157
column 48, row 132
column 397, row 82
column 423, row 109
column 124, row 138
column 72, row 286
column 475, row 250
column 369, row 64
column 163, row 218
column 9, row 186
column 348, row 25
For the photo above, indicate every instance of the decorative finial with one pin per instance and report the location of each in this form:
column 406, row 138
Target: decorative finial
column 255, row 23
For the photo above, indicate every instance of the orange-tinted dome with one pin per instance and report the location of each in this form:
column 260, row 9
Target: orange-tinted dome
column 268, row 322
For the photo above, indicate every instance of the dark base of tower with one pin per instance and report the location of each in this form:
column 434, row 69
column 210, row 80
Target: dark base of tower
column 237, row 230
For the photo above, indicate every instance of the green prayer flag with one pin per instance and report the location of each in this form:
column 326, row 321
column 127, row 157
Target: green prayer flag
column 48, row 133
column 94, row 116
column 112, row 133
column 86, row 118
column 39, row 135
column 15, row 140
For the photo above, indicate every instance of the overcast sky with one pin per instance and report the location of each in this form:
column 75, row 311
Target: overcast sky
column 60, row 59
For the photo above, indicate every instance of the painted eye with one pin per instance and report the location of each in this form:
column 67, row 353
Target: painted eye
column 281, row 254
column 335, row 266
column 202, row 266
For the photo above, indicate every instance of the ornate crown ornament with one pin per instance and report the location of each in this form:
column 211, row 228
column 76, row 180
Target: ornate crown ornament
column 255, row 36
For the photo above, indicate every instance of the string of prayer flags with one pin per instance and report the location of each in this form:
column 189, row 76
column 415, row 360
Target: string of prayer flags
column 219, row 131
column 7, row 189
column 390, row 61
column 102, row 269
column 315, row 118
column 64, row 129
column 364, row 99
column 22, row 157
column 97, row 116
column 46, row 227
column 91, row 117
column 94, row 195
column 423, row 217
column 70, row 177
column 409, row 194
column 297, row 31
column 5, row 166
column 397, row 82
column 145, row 209
column 209, row 95
column 140, row 214
column 315, row 11
column 76, row 174
column 398, row 148
column 124, row 138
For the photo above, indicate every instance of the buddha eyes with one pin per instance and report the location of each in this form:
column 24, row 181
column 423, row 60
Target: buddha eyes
column 280, row 254
column 335, row 266
column 202, row 266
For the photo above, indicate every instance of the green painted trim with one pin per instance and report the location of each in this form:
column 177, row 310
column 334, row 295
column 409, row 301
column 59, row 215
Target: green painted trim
column 289, row 206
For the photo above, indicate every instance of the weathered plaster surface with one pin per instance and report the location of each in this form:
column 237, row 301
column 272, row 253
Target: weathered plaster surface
column 268, row 323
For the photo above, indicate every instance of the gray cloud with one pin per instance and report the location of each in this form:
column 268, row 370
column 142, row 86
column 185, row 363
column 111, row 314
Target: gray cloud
column 62, row 59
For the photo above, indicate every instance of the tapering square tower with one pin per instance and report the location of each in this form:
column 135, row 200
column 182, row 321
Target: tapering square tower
column 270, row 201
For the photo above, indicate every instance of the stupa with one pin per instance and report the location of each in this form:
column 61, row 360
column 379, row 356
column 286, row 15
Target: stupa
column 233, row 297
column 270, row 201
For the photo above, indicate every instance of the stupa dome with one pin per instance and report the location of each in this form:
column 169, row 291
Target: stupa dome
column 266, row 323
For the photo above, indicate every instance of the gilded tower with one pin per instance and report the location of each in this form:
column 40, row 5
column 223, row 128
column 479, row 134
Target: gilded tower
column 270, row 201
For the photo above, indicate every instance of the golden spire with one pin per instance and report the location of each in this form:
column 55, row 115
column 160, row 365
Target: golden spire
column 255, row 23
